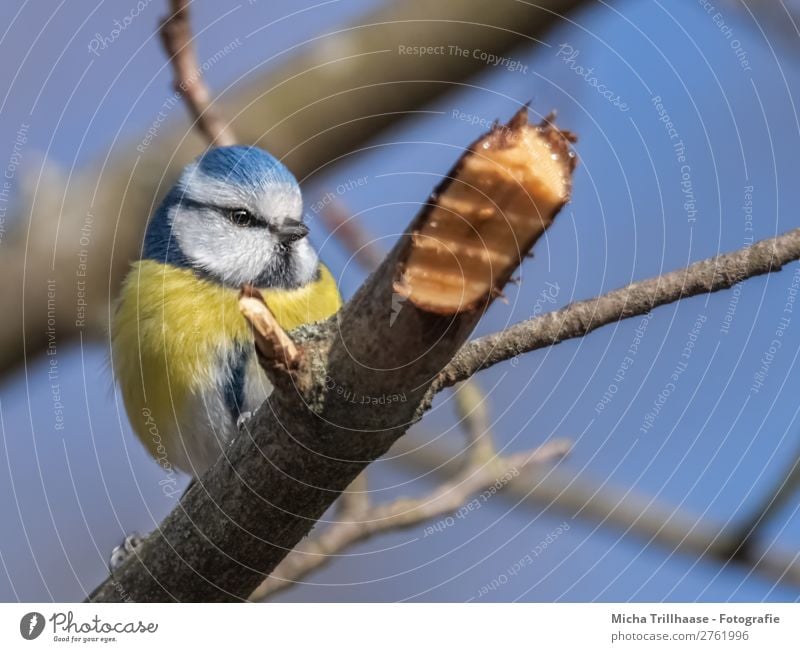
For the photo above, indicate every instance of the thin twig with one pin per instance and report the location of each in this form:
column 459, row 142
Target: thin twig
column 277, row 352
column 315, row 552
column 582, row 317
column 176, row 35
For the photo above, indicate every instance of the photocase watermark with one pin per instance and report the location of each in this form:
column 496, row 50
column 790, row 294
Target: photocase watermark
column 31, row 625
column 342, row 189
column 169, row 485
column 102, row 42
column 66, row 628
column 627, row 362
column 771, row 352
column 173, row 100
column 679, row 150
column 727, row 31
column 523, row 562
column 14, row 161
column 547, row 296
column 569, row 55
column 357, row 398
column 489, row 58
column 736, row 291
column 671, row 385
column 473, row 505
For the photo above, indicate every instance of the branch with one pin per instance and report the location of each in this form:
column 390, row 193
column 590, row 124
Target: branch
column 354, row 500
column 277, row 354
column 740, row 545
column 639, row 298
column 448, row 498
column 176, row 35
column 625, row 510
column 354, row 507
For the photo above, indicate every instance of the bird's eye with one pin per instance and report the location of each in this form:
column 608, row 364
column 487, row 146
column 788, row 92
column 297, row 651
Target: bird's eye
column 242, row 217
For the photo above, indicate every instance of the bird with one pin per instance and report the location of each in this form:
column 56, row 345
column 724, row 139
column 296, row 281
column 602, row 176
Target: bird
column 182, row 353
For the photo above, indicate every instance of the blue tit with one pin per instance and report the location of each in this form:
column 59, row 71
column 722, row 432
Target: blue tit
column 182, row 353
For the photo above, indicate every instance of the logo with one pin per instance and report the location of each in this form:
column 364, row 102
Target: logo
column 31, row 625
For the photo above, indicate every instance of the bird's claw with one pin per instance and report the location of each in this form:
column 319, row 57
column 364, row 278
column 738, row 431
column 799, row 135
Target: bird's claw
column 122, row 552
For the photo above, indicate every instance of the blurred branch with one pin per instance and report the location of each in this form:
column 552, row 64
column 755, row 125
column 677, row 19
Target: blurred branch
column 315, row 104
column 741, row 543
column 632, row 514
column 350, row 233
column 639, row 298
column 176, row 36
column 774, row 17
column 473, row 479
column 473, row 416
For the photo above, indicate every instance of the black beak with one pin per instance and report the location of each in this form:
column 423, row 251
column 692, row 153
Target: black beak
column 291, row 231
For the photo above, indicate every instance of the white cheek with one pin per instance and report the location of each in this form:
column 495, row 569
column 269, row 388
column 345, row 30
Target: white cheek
column 230, row 253
column 306, row 262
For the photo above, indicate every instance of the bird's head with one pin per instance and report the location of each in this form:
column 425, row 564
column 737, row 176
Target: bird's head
column 235, row 216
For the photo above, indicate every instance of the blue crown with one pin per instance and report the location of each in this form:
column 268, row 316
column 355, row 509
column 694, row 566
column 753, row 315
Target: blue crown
column 245, row 166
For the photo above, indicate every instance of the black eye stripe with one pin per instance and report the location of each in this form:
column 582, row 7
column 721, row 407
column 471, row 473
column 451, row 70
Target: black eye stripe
column 238, row 216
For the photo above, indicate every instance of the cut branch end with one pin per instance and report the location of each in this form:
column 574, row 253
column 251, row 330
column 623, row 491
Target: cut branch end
column 277, row 352
column 486, row 215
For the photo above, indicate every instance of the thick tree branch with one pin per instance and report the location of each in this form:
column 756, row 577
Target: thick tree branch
column 354, row 506
column 639, row 298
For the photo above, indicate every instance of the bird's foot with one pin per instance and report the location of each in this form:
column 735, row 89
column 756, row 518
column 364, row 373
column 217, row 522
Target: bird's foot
column 122, row 552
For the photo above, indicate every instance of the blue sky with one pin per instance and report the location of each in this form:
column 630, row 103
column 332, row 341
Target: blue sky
column 641, row 206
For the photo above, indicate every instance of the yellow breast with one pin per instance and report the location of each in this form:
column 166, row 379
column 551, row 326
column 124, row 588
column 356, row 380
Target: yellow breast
column 170, row 329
